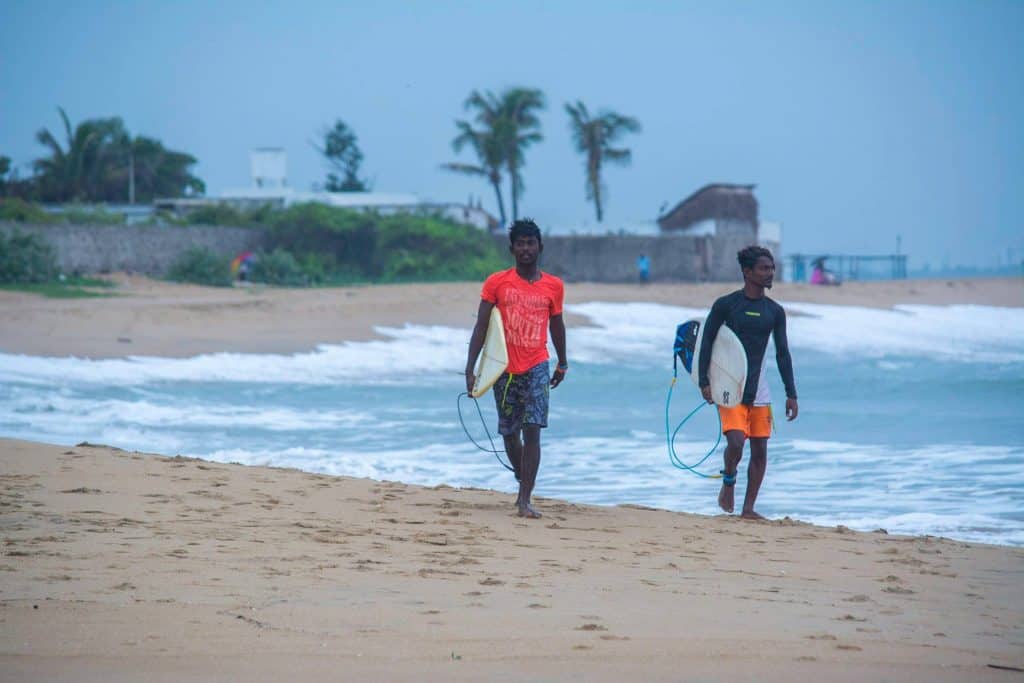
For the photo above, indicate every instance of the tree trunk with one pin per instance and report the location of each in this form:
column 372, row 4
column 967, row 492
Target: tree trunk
column 513, row 173
column 501, row 201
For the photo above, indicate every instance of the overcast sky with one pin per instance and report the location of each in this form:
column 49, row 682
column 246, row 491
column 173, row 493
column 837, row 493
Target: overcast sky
column 857, row 120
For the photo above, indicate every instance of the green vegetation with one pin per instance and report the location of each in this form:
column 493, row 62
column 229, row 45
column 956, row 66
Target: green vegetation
column 279, row 267
column 594, row 137
column 223, row 214
column 19, row 211
column 100, row 161
column 507, row 125
column 316, row 244
column 28, row 264
column 26, row 259
column 66, row 288
column 341, row 152
column 202, row 267
column 334, row 245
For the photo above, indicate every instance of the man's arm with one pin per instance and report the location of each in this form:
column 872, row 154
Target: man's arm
column 557, row 325
column 476, row 341
column 710, row 330
column 785, row 363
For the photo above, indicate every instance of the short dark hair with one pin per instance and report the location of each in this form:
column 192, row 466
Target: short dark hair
column 747, row 256
column 523, row 227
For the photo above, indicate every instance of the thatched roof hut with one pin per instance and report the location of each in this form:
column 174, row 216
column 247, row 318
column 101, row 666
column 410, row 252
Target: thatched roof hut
column 718, row 201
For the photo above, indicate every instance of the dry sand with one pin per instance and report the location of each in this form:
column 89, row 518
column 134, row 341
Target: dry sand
column 151, row 318
column 118, row 566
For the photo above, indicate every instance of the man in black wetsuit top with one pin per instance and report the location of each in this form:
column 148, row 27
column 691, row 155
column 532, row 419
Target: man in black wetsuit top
column 753, row 317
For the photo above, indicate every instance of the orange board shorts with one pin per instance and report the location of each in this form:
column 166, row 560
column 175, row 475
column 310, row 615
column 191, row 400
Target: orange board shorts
column 754, row 421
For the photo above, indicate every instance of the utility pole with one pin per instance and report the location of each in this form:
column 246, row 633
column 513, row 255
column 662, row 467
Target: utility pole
column 131, row 176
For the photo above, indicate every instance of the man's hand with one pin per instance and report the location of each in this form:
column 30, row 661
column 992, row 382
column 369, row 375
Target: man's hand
column 706, row 393
column 557, row 377
column 470, row 381
column 791, row 409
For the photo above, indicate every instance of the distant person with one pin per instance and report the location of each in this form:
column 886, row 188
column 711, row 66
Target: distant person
column 821, row 275
column 643, row 266
column 753, row 317
column 530, row 302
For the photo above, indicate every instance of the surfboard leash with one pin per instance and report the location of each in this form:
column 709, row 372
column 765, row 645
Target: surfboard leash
column 670, row 436
column 497, row 454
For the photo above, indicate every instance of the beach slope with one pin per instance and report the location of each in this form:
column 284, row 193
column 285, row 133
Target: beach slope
column 120, row 566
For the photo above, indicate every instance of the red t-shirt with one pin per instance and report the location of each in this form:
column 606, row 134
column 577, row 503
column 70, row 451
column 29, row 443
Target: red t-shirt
column 525, row 310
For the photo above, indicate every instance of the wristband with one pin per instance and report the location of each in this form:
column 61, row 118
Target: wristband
column 563, row 368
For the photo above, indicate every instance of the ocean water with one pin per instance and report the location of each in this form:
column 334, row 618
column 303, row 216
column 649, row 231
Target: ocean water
column 910, row 419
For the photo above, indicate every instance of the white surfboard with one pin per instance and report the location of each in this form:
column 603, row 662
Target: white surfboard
column 728, row 370
column 493, row 358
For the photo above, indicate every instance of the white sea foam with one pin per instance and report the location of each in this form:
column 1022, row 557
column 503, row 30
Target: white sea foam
column 950, row 333
column 343, row 409
column 409, row 353
column 621, row 333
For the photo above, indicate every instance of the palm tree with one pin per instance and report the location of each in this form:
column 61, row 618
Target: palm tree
column 594, row 138
column 521, row 129
column 511, row 119
column 63, row 174
column 100, row 160
column 488, row 153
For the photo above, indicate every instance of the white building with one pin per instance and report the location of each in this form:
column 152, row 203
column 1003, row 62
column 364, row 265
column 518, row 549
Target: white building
column 268, row 168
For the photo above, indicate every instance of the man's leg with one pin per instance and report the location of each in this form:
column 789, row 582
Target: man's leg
column 530, row 466
column 755, row 475
column 734, row 439
column 514, row 451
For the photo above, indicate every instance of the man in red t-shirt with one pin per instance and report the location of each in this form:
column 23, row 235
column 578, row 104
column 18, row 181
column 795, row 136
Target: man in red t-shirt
column 530, row 302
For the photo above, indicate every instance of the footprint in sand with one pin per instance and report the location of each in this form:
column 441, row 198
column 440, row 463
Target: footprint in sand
column 591, row 627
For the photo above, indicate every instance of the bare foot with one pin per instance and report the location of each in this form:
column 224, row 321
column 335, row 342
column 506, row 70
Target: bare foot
column 750, row 514
column 725, row 498
column 526, row 510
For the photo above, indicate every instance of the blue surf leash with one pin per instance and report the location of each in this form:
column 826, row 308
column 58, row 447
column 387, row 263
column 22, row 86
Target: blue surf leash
column 682, row 350
column 670, row 437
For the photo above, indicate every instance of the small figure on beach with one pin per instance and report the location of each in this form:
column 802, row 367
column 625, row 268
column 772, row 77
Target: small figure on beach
column 820, row 275
column 754, row 318
column 530, row 302
column 643, row 266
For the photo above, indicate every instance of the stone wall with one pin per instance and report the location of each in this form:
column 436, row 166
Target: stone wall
column 147, row 249
column 674, row 258
column 576, row 258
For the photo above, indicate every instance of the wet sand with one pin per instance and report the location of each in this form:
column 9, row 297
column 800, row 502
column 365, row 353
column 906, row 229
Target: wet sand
column 119, row 566
column 153, row 318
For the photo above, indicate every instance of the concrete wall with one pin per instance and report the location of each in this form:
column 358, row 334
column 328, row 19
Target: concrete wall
column 596, row 258
column 674, row 258
column 144, row 249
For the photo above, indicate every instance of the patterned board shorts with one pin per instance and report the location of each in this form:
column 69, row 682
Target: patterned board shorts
column 523, row 399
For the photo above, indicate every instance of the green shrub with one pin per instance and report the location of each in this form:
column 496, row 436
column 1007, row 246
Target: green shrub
column 355, row 245
column 203, row 267
column 91, row 215
column 225, row 214
column 20, row 211
column 278, row 267
column 26, row 258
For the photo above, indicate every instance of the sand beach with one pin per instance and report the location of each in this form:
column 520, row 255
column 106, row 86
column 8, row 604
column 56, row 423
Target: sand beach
column 123, row 566
column 153, row 318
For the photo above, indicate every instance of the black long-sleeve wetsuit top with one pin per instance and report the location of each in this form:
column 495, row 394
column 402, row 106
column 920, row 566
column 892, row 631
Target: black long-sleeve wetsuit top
column 753, row 321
